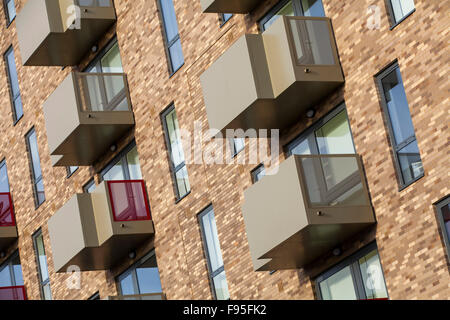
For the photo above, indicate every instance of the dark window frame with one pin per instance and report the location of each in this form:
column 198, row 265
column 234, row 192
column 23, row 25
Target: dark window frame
column 235, row 151
column 173, row 169
column 391, row 14
column 254, row 173
column 42, row 284
column 121, row 156
column 95, row 296
column 8, row 263
column 223, row 19
column 5, row 8
column 351, row 261
column 88, row 184
column 71, row 173
column 34, row 180
column 395, row 148
column 445, row 235
column 96, row 61
column 169, row 43
column 211, row 273
column 13, row 98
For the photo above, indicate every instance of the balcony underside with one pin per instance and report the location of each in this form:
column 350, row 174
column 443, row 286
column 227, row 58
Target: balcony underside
column 90, row 141
column 8, row 235
column 109, row 254
column 229, row 6
column 68, row 48
column 309, row 244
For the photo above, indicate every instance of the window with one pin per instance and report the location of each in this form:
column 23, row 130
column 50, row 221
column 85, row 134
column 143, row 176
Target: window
column 401, row 130
column 176, row 153
column 258, row 173
column 308, row 8
column 41, row 258
column 171, row 36
column 213, row 253
column 35, row 164
column 142, row 278
column 359, row 277
column 71, row 171
column 95, row 296
column 400, row 9
column 4, row 182
column 14, row 89
column 330, row 135
column 89, row 187
column 10, row 10
column 224, row 17
column 11, row 272
column 108, row 60
column 237, row 145
column 443, row 211
column 124, row 167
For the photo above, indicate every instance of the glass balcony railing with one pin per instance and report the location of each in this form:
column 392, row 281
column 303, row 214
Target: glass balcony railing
column 13, row 293
column 6, row 211
column 148, row 296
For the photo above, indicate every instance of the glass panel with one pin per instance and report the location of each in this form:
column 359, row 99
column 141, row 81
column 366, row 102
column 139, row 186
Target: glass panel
column 11, row 8
column 126, row 285
column 12, row 72
column 18, row 107
column 148, row 277
column 402, row 8
column 4, row 183
column 182, row 182
column 226, row 17
column 170, row 19
column 176, row 55
column 133, row 164
column 104, row 92
column 47, row 292
column 221, row 286
column 9, row 294
column 128, row 201
column 40, row 194
column 34, row 152
column 174, row 137
column 313, row 8
column 373, row 277
column 71, row 170
column 6, row 218
column 17, row 269
column 312, row 42
column 212, row 240
column 446, row 217
column 302, row 148
column 259, row 173
column 115, row 173
column 397, row 105
column 287, row 10
column 335, row 136
column 111, row 61
column 410, row 162
column 90, row 187
column 339, row 286
column 239, row 145
column 5, row 277
column 42, row 258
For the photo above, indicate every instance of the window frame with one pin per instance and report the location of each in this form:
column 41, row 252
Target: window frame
column 8, row 264
column 173, row 169
column 3, row 164
column 5, row 8
column 42, row 284
column 391, row 14
column 440, row 217
column 95, row 296
column 169, row 43
column 96, row 61
column 351, row 261
column 223, row 20
column 254, row 173
column 395, row 148
column 71, row 173
column 122, row 157
column 88, row 185
column 211, row 273
column 235, row 151
column 13, row 97
column 34, row 180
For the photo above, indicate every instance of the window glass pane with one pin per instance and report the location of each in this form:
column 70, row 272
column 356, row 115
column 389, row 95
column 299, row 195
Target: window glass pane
column 89, row 187
column 126, row 285
column 111, row 61
column 17, row 269
column 115, row 173
column 42, row 257
column 239, row 145
column 335, row 136
column 445, row 212
column 397, row 105
column 410, row 162
column 170, row 19
column 47, row 292
column 182, row 182
column 339, row 286
column 258, row 173
column 40, row 194
column 5, row 276
column 18, row 107
column 212, row 240
column 302, row 148
column 4, row 183
column 71, row 170
column 402, row 8
column 226, row 17
column 148, row 277
column 34, row 152
column 373, row 277
column 313, row 8
column 12, row 72
column 174, row 137
column 176, row 55
column 11, row 10
column 287, row 10
column 133, row 164
column 221, row 286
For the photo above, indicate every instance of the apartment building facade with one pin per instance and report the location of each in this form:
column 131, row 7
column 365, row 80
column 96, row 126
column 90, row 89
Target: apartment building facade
column 102, row 197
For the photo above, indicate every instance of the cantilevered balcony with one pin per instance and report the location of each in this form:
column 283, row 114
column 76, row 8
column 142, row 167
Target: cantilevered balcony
column 94, row 231
column 8, row 230
column 306, row 209
column 269, row 80
column 61, row 32
column 85, row 115
column 13, row 293
column 229, row 6
column 149, row 296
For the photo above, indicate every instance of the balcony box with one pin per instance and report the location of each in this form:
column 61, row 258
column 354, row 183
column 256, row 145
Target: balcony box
column 306, row 209
column 148, row 296
column 85, row 115
column 229, row 6
column 269, row 80
column 94, row 231
column 13, row 293
column 8, row 230
column 61, row 32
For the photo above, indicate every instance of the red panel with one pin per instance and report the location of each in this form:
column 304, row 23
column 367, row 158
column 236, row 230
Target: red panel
column 129, row 200
column 6, row 211
column 13, row 293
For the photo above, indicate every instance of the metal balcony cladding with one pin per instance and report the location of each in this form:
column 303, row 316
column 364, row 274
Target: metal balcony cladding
column 95, row 231
column 61, row 32
column 85, row 115
column 268, row 80
column 229, row 6
column 309, row 207
column 8, row 230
